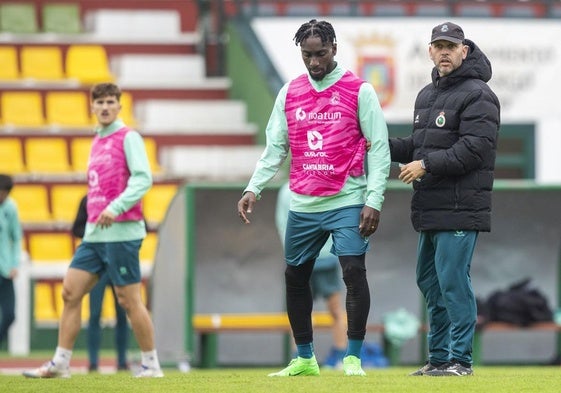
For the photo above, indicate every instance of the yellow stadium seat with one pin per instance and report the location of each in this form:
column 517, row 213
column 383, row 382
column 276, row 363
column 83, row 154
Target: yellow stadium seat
column 11, row 156
column 148, row 249
column 50, row 247
column 127, row 112
column 9, row 63
column 152, row 153
column 65, row 199
column 23, row 109
column 33, row 202
column 88, row 63
column 80, row 153
column 44, row 304
column 156, row 201
column 42, row 63
column 46, row 155
column 108, row 306
column 67, row 108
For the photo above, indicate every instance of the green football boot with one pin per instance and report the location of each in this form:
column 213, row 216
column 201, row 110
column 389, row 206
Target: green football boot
column 352, row 367
column 299, row 367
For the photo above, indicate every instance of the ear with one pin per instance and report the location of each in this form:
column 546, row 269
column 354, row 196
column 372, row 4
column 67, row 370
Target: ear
column 334, row 48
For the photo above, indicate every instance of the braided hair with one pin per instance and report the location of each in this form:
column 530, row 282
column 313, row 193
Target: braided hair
column 313, row 28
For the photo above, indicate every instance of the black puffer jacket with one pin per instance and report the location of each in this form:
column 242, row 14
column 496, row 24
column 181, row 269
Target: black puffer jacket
column 455, row 131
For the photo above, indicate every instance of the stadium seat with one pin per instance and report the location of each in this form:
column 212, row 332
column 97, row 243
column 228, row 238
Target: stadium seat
column 520, row 11
column 152, row 153
column 343, row 9
column 11, row 156
column 63, row 18
column 135, row 23
column 88, row 64
column 108, row 306
column 46, row 155
column 148, row 248
column 18, row 18
column 554, row 11
column 295, row 9
column 144, row 293
column 260, row 9
column 435, row 9
column 389, row 10
column 50, row 247
column 67, row 109
column 474, row 10
column 9, row 69
column 156, row 201
column 44, row 309
column 33, row 203
column 23, row 109
column 127, row 113
column 42, row 62
column 80, row 153
column 65, row 199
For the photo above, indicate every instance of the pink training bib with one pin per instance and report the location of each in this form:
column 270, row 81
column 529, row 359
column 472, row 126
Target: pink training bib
column 108, row 175
column 326, row 142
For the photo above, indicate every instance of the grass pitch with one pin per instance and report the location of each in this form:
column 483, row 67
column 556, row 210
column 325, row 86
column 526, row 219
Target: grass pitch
column 395, row 379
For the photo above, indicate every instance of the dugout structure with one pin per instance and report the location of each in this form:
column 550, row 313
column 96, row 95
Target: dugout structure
column 209, row 262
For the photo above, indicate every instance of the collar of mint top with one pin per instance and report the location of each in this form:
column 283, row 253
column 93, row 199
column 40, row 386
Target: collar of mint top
column 111, row 128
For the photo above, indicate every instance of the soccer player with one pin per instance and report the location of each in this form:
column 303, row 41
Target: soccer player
column 10, row 252
column 118, row 177
column 323, row 118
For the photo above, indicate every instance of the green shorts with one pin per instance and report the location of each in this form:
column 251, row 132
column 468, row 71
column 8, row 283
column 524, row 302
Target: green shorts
column 306, row 234
column 119, row 259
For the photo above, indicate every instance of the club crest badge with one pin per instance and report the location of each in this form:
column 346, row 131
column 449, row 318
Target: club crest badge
column 440, row 120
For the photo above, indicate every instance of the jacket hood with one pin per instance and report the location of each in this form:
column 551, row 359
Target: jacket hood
column 475, row 66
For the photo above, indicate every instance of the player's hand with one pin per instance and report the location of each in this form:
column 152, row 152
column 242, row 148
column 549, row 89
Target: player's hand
column 105, row 219
column 369, row 220
column 245, row 206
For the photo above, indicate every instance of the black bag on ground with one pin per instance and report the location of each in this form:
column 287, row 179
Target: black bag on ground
column 520, row 305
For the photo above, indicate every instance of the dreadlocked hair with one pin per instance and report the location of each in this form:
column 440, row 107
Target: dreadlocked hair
column 313, row 28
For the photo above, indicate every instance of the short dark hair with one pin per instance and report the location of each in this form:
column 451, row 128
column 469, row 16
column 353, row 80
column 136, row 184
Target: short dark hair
column 6, row 183
column 105, row 90
column 314, row 28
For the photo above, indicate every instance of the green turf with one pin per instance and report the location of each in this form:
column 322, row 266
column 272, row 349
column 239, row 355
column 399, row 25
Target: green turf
column 395, row 379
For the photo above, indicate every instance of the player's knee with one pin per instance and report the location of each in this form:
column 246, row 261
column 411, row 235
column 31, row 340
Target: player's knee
column 71, row 296
column 354, row 269
column 296, row 276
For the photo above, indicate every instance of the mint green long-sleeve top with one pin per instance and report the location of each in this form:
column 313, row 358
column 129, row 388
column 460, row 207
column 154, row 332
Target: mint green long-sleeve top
column 139, row 183
column 368, row 189
column 10, row 237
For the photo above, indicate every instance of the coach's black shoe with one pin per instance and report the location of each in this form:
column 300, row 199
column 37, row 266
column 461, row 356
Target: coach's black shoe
column 452, row 369
column 427, row 367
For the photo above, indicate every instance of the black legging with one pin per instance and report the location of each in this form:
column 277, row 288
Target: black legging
column 299, row 300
